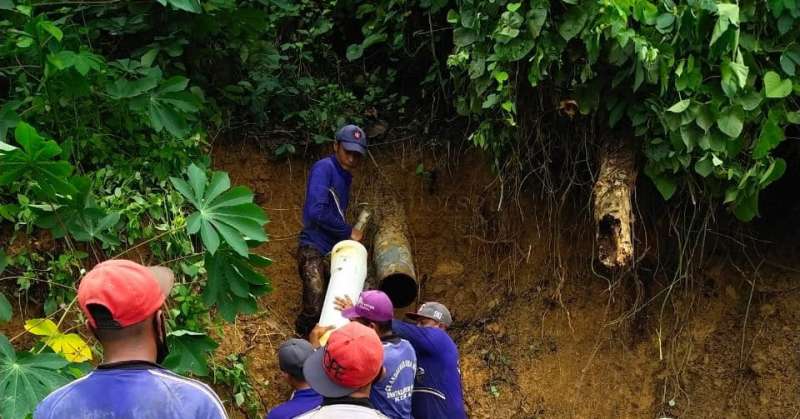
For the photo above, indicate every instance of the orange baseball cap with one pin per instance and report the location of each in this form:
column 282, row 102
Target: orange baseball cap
column 129, row 291
column 352, row 358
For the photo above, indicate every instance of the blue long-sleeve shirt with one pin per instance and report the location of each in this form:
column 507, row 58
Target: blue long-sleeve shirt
column 437, row 391
column 327, row 197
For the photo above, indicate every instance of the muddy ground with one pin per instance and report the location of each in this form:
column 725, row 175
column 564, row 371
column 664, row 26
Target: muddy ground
column 537, row 331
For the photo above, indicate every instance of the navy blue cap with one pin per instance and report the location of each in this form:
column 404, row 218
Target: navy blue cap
column 352, row 138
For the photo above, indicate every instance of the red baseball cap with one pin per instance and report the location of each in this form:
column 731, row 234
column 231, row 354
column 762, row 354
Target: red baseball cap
column 129, row 291
column 352, row 359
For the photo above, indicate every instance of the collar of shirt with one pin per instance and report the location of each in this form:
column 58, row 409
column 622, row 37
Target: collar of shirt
column 364, row 402
column 391, row 338
column 130, row 365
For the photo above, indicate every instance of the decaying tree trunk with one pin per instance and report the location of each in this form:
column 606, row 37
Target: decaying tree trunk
column 613, row 215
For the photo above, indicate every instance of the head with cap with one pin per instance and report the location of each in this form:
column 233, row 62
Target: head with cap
column 350, row 146
column 432, row 314
column 122, row 301
column 348, row 364
column 373, row 309
column 292, row 354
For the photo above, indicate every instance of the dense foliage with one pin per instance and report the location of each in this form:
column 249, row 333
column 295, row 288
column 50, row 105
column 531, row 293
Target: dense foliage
column 707, row 87
column 109, row 110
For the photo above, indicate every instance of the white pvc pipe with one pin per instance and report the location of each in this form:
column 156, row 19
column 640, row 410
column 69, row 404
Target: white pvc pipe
column 348, row 273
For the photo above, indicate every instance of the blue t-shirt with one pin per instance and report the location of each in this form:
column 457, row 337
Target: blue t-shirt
column 301, row 402
column 132, row 390
column 437, row 392
column 327, row 198
column 392, row 395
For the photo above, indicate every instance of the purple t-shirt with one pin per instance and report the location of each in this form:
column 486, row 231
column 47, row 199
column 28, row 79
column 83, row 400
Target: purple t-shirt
column 132, row 390
column 392, row 394
column 301, row 402
column 437, row 392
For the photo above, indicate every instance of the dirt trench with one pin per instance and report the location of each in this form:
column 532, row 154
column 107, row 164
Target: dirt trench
column 538, row 341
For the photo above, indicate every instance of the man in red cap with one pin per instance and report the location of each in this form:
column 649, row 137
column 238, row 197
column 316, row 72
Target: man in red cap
column 122, row 301
column 343, row 372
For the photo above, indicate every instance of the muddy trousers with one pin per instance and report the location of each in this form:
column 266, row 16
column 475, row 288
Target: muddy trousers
column 314, row 270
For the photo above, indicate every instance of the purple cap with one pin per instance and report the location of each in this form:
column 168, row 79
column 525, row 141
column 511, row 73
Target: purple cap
column 372, row 305
column 352, row 138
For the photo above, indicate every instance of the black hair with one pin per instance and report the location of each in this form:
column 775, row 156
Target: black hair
column 384, row 327
column 107, row 329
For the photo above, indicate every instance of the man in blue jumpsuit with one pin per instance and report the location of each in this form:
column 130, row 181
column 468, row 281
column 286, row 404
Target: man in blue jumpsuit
column 324, row 222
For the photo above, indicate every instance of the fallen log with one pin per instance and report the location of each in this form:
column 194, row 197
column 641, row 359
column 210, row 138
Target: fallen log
column 613, row 213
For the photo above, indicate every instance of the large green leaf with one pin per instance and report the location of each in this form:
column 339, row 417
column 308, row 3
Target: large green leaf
column 37, row 160
column 221, row 211
column 25, row 379
column 94, row 224
column 233, row 284
column 188, row 352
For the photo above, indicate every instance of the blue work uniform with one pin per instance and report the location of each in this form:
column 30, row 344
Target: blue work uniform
column 327, row 198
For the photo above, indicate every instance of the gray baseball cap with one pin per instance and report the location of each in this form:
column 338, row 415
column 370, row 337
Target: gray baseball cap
column 434, row 311
column 292, row 354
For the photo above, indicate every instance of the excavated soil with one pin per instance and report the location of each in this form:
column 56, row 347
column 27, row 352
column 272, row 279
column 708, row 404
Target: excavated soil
column 536, row 332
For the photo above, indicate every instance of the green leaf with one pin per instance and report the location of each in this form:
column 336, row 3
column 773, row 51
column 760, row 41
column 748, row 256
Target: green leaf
column 746, row 206
column 35, row 160
column 233, row 284
column 186, row 5
column 51, row 28
column 730, row 124
column 6, row 5
column 574, row 21
column 774, row 172
column 665, row 184
column 452, row 17
column 680, row 106
column 188, row 352
column 771, row 135
column 536, row 19
column 776, row 88
column 148, row 57
column 229, row 213
column 704, row 167
column 6, row 310
column 463, row 37
column 354, row 52
column 25, row 379
column 94, row 224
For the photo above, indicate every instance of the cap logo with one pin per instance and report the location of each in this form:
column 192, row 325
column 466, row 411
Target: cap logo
column 437, row 314
column 357, row 134
column 333, row 367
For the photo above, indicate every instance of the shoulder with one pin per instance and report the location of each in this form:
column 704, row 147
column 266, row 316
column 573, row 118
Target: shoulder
column 52, row 401
column 324, row 164
column 193, row 391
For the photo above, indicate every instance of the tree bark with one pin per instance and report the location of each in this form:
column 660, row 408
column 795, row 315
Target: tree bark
column 613, row 213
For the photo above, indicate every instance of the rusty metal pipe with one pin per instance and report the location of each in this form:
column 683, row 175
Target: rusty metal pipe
column 394, row 266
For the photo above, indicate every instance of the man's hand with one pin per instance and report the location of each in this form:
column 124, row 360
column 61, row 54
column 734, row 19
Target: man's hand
column 356, row 235
column 342, row 303
column 317, row 333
